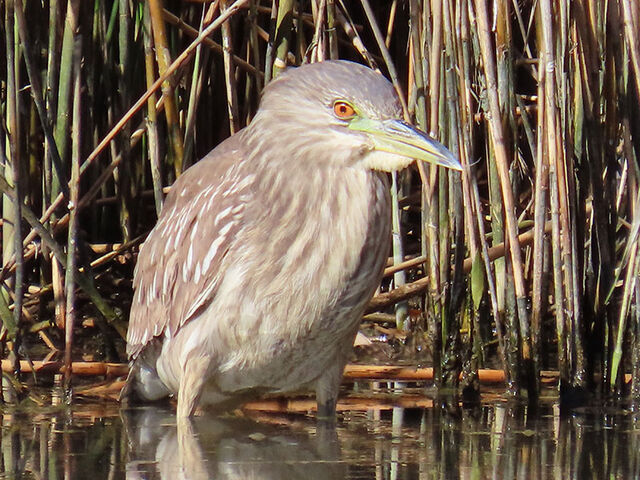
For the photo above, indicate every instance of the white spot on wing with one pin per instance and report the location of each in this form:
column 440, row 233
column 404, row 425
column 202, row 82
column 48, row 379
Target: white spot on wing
column 185, row 273
column 167, row 248
column 213, row 249
column 194, row 230
column 178, row 234
column 165, row 284
column 198, row 301
column 196, row 276
column 164, row 229
column 242, row 184
column 222, row 214
column 190, row 255
column 153, row 285
column 224, row 230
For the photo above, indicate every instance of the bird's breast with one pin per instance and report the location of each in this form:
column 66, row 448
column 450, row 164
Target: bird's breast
column 312, row 251
column 294, row 302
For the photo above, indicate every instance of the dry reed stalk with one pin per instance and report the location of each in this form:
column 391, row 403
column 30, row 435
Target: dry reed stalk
column 123, row 175
column 72, row 241
column 502, row 164
column 352, row 33
column 631, row 15
column 163, row 57
column 200, row 63
column 110, row 370
column 145, row 97
column 283, row 27
column 559, row 139
column 385, row 55
column 429, row 175
column 229, row 73
column 12, row 206
column 352, row 372
column 318, row 42
column 540, row 241
column 152, row 119
column 331, row 30
column 215, row 47
column 85, row 282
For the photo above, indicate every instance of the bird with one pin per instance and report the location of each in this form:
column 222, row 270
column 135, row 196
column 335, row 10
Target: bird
column 266, row 252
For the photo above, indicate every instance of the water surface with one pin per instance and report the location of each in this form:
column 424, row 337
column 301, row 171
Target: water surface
column 494, row 440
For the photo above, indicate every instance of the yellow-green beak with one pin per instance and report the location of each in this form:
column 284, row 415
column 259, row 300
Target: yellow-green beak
column 400, row 138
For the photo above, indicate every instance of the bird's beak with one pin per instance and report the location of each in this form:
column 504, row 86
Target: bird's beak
column 400, row 138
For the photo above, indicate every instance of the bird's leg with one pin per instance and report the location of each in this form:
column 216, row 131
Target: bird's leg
column 191, row 384
column 327, row 390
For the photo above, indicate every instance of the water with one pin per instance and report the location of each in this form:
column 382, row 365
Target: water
column 494, row 440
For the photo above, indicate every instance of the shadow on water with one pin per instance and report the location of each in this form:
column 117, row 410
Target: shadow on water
column 495, row 441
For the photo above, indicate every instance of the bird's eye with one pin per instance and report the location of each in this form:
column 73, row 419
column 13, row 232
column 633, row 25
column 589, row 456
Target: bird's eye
column 343, row 110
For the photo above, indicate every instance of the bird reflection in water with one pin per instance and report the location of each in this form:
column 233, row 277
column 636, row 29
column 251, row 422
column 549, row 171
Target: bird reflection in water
column 161, row 447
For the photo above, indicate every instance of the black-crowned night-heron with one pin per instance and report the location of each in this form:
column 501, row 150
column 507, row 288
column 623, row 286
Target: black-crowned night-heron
column 267, row 251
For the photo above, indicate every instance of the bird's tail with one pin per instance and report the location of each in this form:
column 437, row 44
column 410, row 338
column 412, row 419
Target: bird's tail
column 143, row 383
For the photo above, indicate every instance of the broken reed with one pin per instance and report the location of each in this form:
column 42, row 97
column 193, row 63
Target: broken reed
column 105, row 103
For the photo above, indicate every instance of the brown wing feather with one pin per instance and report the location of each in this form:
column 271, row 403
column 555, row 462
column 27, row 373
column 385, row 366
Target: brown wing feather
column 179, row 266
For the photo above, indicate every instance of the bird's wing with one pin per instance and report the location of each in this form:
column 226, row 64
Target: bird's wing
column 179, row 265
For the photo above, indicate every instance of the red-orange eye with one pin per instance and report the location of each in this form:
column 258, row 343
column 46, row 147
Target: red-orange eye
column 343, row 110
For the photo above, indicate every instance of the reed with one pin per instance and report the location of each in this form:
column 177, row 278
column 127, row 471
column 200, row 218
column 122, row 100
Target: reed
column 530, row 258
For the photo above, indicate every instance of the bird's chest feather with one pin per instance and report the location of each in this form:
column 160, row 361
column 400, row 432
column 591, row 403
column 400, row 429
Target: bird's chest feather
column 328, row 234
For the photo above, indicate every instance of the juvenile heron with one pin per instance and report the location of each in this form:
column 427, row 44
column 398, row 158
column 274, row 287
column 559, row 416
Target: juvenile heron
column 267, row 251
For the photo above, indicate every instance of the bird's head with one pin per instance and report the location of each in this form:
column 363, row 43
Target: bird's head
column 340, row 111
